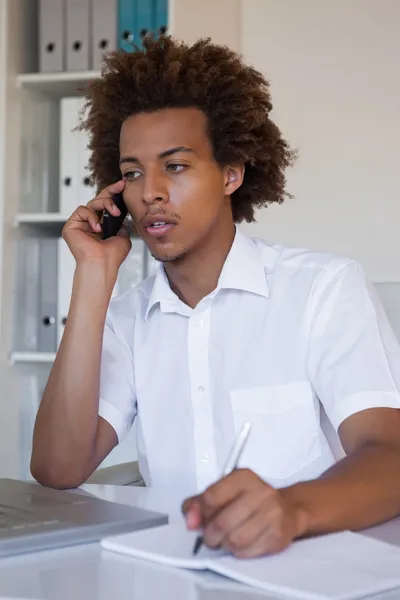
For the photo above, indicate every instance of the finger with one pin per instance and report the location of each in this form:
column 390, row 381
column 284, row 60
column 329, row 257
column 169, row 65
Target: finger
column 104, row 200
column 115, row 188
column 267, row 531
column 246, row 538
column 83, row 214
column 226, row 490
column 269, row 541
column 193, row 517
column 188, row 503
column 191, row 510
column 231, row 518
column 101, row 203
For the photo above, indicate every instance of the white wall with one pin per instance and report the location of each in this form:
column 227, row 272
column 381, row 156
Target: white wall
column 16, row 55
column 217, row 19
column 335, row 74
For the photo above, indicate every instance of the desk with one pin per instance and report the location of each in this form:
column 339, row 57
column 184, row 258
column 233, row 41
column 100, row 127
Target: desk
column 88, row 573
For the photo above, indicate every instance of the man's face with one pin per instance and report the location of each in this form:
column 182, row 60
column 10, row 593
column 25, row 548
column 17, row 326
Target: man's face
column 175, row 191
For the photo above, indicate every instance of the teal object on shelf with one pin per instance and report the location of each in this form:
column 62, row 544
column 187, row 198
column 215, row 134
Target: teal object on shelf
column 145, row 19
column 160, row 16
column 136, row 18
column 127, row 24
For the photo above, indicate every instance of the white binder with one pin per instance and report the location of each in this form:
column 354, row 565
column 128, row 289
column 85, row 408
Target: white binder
column 65, row 278
column 86, row 191
column 68, row 156
column 27, row 295
column 47, row 330
column 51, row 35
column 104, row 29
column 78, row 47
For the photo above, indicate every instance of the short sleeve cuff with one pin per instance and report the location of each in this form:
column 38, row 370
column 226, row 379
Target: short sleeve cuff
column 115, row 418
column 358, row 402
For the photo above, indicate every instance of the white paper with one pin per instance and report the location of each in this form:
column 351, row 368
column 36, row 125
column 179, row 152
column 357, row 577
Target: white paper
column 340, row 566
column 169, row 545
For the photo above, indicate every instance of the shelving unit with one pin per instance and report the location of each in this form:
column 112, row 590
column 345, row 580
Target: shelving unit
column 39, row 218
column 29, row 99
column 49, row 224
column 32, row 357
column 57, row 85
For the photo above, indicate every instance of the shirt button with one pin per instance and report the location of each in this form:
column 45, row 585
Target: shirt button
column 200, row 324
column 204, row 458
column 200, row 389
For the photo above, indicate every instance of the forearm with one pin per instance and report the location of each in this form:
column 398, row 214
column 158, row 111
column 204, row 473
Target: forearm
column 66, row 424
column 359, row 491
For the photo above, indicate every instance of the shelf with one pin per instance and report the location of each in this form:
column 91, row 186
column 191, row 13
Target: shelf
column 32, row 357
column 40, row 218
column 58, row 85
column 50, row 223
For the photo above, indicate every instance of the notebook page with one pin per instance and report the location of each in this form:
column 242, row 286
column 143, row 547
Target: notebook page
column 340, row 566
column 168, row 545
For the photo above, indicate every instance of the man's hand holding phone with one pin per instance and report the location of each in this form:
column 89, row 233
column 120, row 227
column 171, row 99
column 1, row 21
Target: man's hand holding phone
column 83, row 232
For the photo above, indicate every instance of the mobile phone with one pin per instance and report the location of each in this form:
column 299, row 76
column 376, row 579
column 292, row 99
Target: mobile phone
column 111, row 224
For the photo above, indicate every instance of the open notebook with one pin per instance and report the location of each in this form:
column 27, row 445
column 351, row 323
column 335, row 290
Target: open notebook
column 340, row 566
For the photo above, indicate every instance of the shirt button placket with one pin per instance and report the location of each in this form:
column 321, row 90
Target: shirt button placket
column 198, row 337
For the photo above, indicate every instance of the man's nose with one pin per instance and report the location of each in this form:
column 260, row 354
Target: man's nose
column 154, row 189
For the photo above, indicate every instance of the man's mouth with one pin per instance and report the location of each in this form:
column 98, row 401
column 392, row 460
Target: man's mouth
column 159, row 228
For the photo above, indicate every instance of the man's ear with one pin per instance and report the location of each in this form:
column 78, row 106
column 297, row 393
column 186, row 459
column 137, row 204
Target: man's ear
column 233, row 178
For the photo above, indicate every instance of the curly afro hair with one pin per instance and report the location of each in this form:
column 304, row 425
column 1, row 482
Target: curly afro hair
column 170, row 74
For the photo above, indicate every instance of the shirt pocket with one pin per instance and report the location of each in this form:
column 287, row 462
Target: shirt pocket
column 284, row 435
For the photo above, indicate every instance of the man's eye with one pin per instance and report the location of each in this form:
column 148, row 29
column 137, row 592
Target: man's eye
column 175, row 168
column 131, row 175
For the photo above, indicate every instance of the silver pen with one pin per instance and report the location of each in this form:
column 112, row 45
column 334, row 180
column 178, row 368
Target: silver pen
column 230, row 465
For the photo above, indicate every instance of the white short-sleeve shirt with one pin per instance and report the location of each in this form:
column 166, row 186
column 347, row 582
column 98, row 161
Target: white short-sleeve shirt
column 293, row 341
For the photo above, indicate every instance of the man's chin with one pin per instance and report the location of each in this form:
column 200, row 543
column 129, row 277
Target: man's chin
column 170, row 257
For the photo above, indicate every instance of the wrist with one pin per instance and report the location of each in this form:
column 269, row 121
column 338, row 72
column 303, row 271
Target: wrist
column 298, row 507
column 96, row 272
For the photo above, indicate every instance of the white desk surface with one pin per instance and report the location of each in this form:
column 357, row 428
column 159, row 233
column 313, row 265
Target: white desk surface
column 87, row 573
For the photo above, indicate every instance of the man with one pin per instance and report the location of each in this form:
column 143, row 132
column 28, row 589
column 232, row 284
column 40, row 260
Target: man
column 229, row 330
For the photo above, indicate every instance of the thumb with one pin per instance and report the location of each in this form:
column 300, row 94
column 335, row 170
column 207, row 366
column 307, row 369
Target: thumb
column 191, row 510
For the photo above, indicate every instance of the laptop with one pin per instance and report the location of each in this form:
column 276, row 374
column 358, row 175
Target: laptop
column 36, row 518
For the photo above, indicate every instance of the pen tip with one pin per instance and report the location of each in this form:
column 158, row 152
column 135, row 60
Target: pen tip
column 197, row 545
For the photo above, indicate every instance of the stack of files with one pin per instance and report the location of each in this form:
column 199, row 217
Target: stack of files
column 340, row 566
column 104, row 29
column 51, row 35
column 36, row 295
column 75, row 188
column 27, row 296
column 39, row 146
column 74, row 34
column 47, row 334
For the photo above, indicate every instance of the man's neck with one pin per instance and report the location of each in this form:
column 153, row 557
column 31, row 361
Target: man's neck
column 197, row 274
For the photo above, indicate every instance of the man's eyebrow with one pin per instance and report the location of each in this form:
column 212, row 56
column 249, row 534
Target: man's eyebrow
column 169, row 152
column 175, row 151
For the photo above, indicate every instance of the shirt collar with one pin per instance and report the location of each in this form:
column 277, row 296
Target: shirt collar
column 243, row 269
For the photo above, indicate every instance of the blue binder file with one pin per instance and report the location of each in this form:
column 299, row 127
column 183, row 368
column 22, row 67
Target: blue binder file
column 160, row 24
column 136, row 18
column 146, row 10
column 128, row 31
